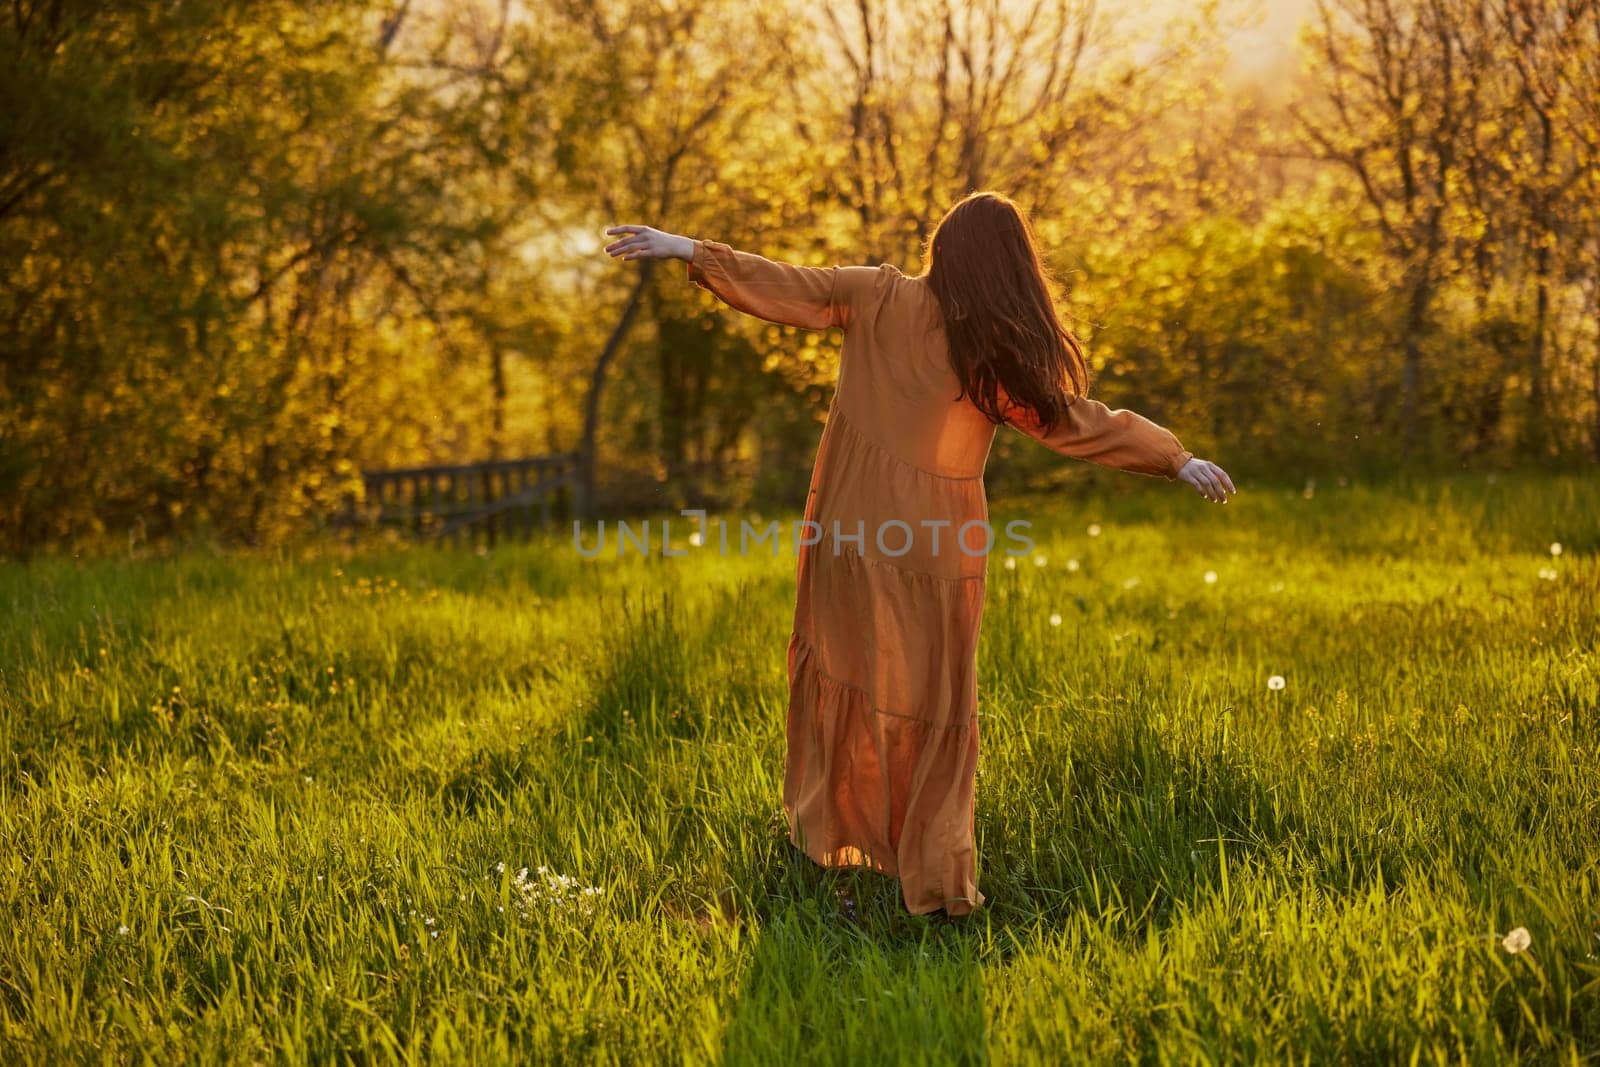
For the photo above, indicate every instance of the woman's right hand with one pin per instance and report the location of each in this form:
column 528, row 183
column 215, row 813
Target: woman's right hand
column 1210, row 480
column 647, row 242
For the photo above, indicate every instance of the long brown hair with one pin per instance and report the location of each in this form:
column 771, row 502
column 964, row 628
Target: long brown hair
column 1007, row 341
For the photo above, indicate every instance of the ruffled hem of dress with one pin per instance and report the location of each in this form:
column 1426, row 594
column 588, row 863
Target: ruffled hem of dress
column 811, row 657
column 870, row 442
column 896, row 514
column 844, row 849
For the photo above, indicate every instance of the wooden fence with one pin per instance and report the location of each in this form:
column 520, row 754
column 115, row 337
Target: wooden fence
column 496, row 498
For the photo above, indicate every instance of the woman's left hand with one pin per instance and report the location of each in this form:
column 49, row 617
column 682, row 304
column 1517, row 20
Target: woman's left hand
column 647, row 242
column 1210, row 480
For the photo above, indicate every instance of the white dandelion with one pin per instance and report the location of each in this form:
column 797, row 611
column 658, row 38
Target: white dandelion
column 1040, row 560
column 1275, row 682
column 1011, row 564
column 1211, row 577
column 1555, row 548
column 123, row 931
column 695, row 539
column 1072, row 564
column 1094, row 529
column 1055, row 619
column 1517, row 940
column 1548, row 573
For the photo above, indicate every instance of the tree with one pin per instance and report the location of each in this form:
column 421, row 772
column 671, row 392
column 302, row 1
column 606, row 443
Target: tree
column 1400, row 85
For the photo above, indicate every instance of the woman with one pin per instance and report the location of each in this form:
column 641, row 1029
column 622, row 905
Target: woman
column 882, row 722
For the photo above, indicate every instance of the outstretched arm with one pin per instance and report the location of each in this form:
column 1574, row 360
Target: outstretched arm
column 786, row 293
column 1124, row 440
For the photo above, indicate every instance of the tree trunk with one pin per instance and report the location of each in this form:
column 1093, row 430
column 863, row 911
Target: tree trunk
column 497, row 408
column 1537, row 422
column 1595, row 380
column 597, row 384
column 670, row 415
column 1411, row 370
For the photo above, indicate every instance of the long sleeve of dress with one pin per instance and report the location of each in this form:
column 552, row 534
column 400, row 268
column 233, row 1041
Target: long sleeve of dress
column 1120, row 438
column 815, row 298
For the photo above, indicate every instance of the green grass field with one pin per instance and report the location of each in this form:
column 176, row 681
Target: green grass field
column 274, row 808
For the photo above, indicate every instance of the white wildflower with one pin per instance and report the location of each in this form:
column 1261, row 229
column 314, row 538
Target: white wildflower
column 1011, row 564
column 1211, row 577
column 557, row 892
column 1072, row 564
column 1040, row 561
column 1517, row 940
column 1094, row 529
column 1055, row 619
column 1275, row 682
column 1555, row 548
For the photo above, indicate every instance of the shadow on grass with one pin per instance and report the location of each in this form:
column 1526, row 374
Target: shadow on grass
column 823, row 987
column 1127, row 831
column 1112, row 822
column 1134, row 829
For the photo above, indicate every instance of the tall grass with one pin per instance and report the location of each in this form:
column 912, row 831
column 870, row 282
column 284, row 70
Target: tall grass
column 275, row 808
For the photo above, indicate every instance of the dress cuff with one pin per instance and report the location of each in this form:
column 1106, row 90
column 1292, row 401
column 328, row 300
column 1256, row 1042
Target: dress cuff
column 703, row 262
column 1178, row 461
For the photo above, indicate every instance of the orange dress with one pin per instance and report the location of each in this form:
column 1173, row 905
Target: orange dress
column 882, row 723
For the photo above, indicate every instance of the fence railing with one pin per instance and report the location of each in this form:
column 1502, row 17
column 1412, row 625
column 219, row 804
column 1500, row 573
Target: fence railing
column 495, row 498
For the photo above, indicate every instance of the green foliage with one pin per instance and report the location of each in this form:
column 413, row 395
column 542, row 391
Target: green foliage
column 256, row 806
column 252, row 248
column 239, row 229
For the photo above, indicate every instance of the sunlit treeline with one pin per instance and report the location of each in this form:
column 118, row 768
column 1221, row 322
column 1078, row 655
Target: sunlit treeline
column 251, row 248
